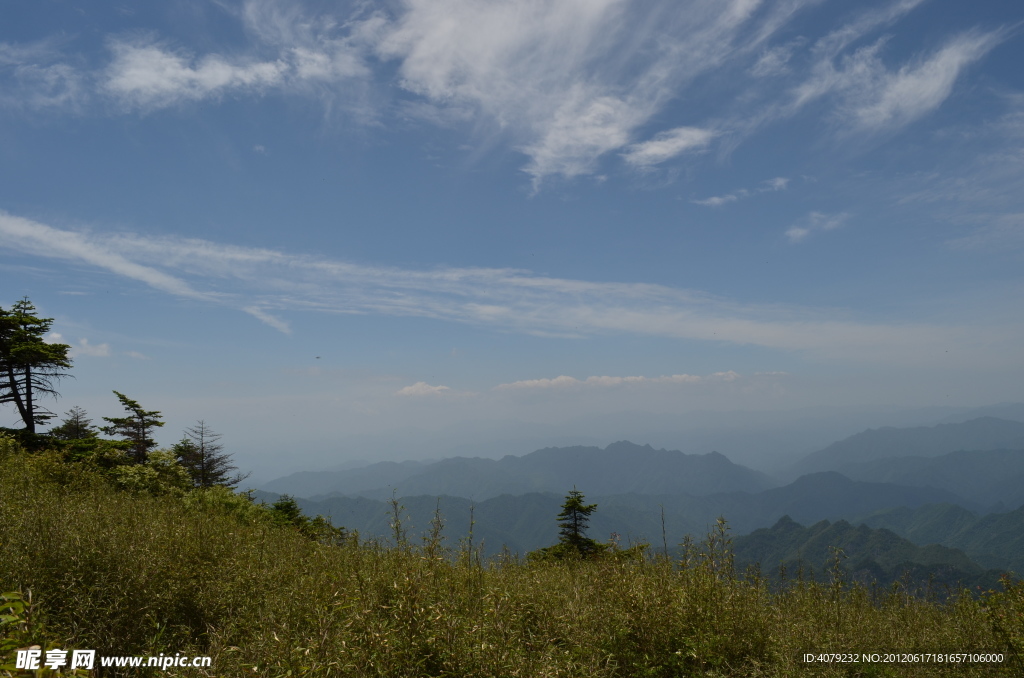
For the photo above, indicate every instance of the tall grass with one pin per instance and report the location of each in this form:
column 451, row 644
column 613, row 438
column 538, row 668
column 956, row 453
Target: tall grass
column 135, row 574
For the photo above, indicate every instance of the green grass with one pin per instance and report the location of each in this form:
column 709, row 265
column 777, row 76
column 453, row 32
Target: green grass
column 129, row 573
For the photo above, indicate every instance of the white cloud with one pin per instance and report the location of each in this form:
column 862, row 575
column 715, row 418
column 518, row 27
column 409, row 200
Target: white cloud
column 895, row 99
column 774, row 61
column 267, row 283
column 290, row 52
column 148, row 75
column 776, row 184
column 567, row 80
column 33, row 76
column 667, row 145
column 136, row 355
column 422, row 388
column 815, row 221
column 719, row 200
column 564, row 382
column 263, row 316
column 83, row 347
column 870, row 96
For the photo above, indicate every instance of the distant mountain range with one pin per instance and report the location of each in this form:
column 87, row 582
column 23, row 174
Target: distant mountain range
column 868, row 555
column 620, row 468
column 845, row 456
column 995, row 540
column 948, row 485
column 990, row 478
column 526, row 522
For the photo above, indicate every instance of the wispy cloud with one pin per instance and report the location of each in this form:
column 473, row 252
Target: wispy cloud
column 914, row 90
column 422, row 388
column 35, row 76
column 565, row 82
column 776, row 184
column 267, row 283
column 872, row 97
column 32, row 237
column 570, row 80
column 815, row 221
column 263, row 316
column 83, row 347
column 564, row 382
column 667, row 145
column 145, row 73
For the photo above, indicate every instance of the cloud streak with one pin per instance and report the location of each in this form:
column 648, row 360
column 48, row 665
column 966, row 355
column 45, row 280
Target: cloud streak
column 776, row 184
column 267, row 284
column 422, row 389
column 815, row 221
column 565, row 382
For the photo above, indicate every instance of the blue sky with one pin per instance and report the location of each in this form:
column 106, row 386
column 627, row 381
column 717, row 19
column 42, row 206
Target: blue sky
column 318, row 224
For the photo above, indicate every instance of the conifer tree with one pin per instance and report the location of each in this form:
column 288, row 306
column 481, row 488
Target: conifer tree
column 29, row 365
column 202, row 454
column 75, row 426
column 136, row 429
column 573, row 521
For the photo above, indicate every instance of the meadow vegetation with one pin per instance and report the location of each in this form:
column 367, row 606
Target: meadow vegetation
column 150, row 567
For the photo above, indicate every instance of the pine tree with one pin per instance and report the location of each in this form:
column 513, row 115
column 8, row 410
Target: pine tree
column 573, row 521
column 29, row 365
column 202, row 454
column 75, row 426
column 135, row 429
column 573, row 541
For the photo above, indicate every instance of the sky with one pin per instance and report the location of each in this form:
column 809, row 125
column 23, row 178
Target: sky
column 334, row 230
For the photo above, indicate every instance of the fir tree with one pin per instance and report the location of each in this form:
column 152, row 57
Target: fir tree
column 75, row 426
column 202, row 454
column 572, row 523
column 136, row 429
column 29, row 364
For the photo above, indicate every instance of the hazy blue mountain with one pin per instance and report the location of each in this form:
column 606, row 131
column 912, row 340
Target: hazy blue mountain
column 621, row 467
column 983, row 433
column 868, row 554
column 526, row 522
column 1012, row 411
column 345, row 481
column 821, row 496
column 995, row 540
column 986, row 477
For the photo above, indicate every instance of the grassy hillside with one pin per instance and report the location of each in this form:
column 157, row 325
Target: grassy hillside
column 206, row 572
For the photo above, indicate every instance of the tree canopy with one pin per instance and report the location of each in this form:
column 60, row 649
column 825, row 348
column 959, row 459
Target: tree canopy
column 75, row 426
column 29, row 365
column 202, row 454
column 573, row 541
column 136, row 429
